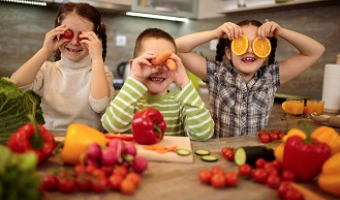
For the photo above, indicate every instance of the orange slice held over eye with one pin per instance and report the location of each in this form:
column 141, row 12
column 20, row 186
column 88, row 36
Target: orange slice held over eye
column 239, row 46
column 261, row 47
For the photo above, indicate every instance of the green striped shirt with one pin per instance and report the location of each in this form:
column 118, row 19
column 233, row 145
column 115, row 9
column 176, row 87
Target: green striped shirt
column 184, row 111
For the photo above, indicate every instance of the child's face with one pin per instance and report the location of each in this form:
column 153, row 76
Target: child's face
column 158, row 82
column 247, row 64
column 73, row 50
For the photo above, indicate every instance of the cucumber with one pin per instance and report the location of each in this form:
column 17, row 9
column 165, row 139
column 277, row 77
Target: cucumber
column 250, row 154
column 209, row 158
column 202, row 152
column 183, row 152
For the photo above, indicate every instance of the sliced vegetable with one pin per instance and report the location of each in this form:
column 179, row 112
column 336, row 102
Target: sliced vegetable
column 209, row 158
column 183, row 152
column 250, row 154
column 202, row 152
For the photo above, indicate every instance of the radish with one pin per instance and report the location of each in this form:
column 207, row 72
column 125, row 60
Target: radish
column 117, row 144
column 94, row 152
column 140, row 164
column 93, row 163
column 131, row 149
column 110, row 156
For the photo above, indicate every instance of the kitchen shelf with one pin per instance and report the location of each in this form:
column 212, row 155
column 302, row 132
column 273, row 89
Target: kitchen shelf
column 288, row 4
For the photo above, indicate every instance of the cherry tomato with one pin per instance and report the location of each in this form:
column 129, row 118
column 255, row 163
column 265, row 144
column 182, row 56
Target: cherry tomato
column 229, row 155
column 67, row 185
column 273, row 137
column 218, row 180
column 264, row 138
column 100, row 184
column 68, row 34
column 260, row 162
column 231, row 179
column 108, row 170
column 127, row 186
column 293, row 194
column 79, row 169
column 288, row 175
column 273, row 181
column 83, row 182
column 205, row 176
column 281, row 135
column 89, row 169
column 115, row 181
column 260, row 132
column 272, row 171
column 120, row 169
column 260, row 175
column 245, row 170
column 98, row 173
column 216, row 170
column 50, row 182
column 80, row 38
column 134, row 177
column 283, row 188
column 278, row 165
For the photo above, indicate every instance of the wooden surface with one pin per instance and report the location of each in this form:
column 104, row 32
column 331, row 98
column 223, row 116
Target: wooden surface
column 179, row 181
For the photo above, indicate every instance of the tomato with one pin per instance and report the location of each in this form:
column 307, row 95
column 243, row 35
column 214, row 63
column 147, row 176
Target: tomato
column 273, row 181
column 283, row 188
column 218, row 180
column 115, row 181
column 83, row 182
column 80, row 38
column 108, row 170
column 260, row 162
column 79, row 169
column 278, row 165
column 127, row 186
column 50, row 182
column 293, row 194
column 134, row 177
column 264, row 138
column 288, row 175
column 260, row 132
column 280, row 135
column 272, row 171
column 228, row 153
column 98, row 173
column 216, row 170
column 120, row 169
column 273, row 137
column 231, row 179
column 100, row 184
column 245, row 170
column 205, row 176
column 260, row 175
column 68, row 34
column 89, row 169
column 67, row 185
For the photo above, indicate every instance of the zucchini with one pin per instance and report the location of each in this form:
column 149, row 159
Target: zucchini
column 250, row 154
column 202, row 152
column 183, row 152
column 209, row 158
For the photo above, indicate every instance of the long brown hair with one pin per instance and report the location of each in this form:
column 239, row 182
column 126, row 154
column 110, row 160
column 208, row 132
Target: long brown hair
column 90, row 13
column 225, row 42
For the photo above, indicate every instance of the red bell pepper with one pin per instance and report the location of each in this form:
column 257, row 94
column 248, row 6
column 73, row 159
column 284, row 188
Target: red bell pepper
column 32, row 137
column 148, row 126
column 305, row 157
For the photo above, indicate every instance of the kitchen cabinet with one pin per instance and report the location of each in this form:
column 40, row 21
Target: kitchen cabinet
column 194, row 9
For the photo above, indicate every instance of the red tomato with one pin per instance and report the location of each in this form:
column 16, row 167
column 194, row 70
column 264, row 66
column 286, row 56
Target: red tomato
column 89, row 169
column 272, row 171
column 278, row 165
column 100, row 184
column 288, row 175
column 260, row 162
column 260, row 132
column 83, row 182
column 79, row 169
column 245, row 170
column 50, row 182
column 231, row 179
column 273, row 137
column 108, row 170
column 281, row 135
column 260, row 175
column 273, row 181
column 218, row 180
column 68, row 34
column 205, row 176
column 216, row 170
column 134, row 177
column 98, row 173
column 67, row 185
column 228, row 153
column 115, row 181
column 120, row 169
column 293, row 194
column 127, row 186
column 283, row 188
column 264, row 138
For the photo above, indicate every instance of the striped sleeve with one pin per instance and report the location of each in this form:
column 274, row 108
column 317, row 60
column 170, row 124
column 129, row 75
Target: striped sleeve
column 198, row 123
column 118, row 116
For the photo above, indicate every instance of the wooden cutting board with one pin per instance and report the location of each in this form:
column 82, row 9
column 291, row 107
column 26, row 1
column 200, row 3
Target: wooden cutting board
column 180, row 142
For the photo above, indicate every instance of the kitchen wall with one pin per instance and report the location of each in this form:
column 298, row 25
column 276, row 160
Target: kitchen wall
column 23, row 27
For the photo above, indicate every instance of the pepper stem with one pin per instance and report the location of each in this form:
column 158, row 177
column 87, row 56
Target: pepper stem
column 158, row 130
column 307, row 131
column 37, row 141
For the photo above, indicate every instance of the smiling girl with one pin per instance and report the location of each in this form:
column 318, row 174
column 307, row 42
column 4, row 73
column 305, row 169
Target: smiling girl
column 242, row 91
column 77, row 86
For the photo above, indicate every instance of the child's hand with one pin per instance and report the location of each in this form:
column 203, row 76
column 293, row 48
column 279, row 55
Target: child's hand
column 229, row 30
column 141, row 66
column 179, row 75
column 92, row 43
column 269, row 29
column 53, row 39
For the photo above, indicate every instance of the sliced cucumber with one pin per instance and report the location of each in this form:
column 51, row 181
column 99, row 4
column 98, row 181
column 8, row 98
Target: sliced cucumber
column 183, row 152
column 202, row 152
column 209, row 158
column 252, row 153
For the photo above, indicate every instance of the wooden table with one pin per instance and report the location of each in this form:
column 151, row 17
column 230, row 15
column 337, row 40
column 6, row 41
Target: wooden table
column 178, row 181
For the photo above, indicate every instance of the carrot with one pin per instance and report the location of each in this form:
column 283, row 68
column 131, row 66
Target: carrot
column 160, row 58
column 171, row 64
column 160, row 148
column 307, row 194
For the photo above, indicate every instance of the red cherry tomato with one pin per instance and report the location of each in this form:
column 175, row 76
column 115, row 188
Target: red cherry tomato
column 100, row 184
column 259, row 163
column 283, row 188
column 260, row 132
column 273, row 137
column 260, row 175
column 83, row 182
column 216, row 170
column 264, row 138
column 50, row 182
column 205, row 176
column 67, row 185
column 293, row 194
column 273, row 181
column 134, row 177
column 79, row 169
column 218, row 180
column 127, row 186
column 288, row 175
column 245, row 170
column 120, row 169
column 231, row 179
column 228, row 153
column 68, row 34
column 115, row 181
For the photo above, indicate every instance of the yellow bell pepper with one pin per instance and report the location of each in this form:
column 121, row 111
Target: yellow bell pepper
column 278, row 151
column 329, row 136
column 78, row 138
column 329, row 179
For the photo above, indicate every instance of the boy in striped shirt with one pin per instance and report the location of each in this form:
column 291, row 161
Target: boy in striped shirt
column 147, row 86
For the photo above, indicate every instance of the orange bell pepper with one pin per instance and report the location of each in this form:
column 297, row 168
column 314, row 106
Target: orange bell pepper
column 329, row 136
column 78, row 138
column 329, row 179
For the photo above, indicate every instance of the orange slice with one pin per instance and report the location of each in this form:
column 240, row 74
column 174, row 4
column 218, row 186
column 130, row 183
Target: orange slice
column 283, row 106
column 239, row 46
column 261, row 47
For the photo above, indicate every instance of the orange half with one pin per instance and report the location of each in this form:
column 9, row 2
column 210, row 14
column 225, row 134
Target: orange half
column 239, row 46
column 261, row 47
column 283, row 106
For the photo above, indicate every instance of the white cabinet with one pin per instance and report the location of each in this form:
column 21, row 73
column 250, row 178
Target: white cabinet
column 194, row 9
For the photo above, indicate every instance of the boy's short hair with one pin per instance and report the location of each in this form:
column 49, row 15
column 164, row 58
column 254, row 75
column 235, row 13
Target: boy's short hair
column 151, row 33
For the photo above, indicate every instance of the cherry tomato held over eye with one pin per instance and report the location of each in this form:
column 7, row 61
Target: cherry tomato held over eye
column 68, row 34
